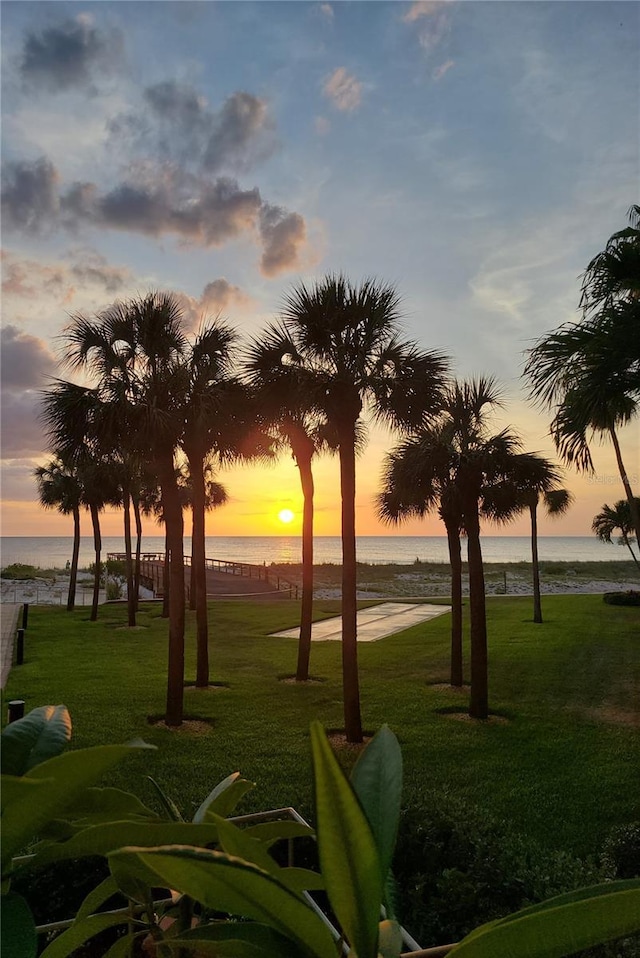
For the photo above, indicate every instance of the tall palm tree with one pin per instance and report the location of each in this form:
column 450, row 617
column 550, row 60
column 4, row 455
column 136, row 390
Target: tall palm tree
column 533, row 481
column 133, row 351
column 616, row 518
column 589, row 372
column 73, row 417
column 217, row 422
column 419, row 476
column 215, row 495
column 483, row 460
column 347, row 338
column 58, row 488
column 284, row 392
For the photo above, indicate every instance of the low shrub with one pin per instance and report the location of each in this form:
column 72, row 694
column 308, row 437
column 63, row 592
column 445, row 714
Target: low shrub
column 456, row 870
column 631, row 597
column 621, row 852
column 19, row 570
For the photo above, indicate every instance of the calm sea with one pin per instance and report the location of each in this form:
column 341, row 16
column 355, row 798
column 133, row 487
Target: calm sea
column 55, row 551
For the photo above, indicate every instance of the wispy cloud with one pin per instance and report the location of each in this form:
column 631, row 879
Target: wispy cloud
column 176, row 122
column 327, row 11
column 421, row 8
column 343, row 89
column 440, row 71
column 432, row 16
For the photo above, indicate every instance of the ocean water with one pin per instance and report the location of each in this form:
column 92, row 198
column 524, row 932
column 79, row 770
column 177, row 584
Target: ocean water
column 55, row 551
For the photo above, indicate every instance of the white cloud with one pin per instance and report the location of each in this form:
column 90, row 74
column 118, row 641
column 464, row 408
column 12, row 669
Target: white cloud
column 343, row 89
column 321, row 125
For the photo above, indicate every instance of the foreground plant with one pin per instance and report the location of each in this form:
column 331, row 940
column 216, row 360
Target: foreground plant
column 357, row 823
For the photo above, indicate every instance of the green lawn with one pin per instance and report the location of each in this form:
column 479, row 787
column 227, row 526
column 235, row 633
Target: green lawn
column 562, row 767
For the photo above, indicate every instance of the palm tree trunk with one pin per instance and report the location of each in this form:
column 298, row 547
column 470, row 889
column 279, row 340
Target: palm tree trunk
column 131, row 599
column 479, row 699
column 350, row 679
column 73, row 574
column 625, row 539
column 174, row 532
column 455, row 560
column 306, row 612
column 97, row 545
column 138, row 521
column 535, row 565
column 166, row 578
column 633, row 505
column 199, row 570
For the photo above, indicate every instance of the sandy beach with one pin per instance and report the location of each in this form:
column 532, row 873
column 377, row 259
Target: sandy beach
column 386, row 582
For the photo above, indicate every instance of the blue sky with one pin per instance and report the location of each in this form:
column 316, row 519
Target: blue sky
column 477, row 154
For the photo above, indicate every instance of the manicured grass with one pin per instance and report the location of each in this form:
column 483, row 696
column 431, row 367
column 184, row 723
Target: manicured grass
column 561, row 767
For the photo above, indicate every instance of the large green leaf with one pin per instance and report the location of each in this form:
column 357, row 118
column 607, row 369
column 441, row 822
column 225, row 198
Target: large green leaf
column 15, row 791
column 102, row 839
column 81, row 931
column 97, row 897
column 377, row 781
column 560, row 926
column 270, row 832
column 231, row 885
column 40, row 735
column 96, row 805
column 237, row 940
column 66, row 777
column 170, row 807
column 348, row 855
column 235, row 841
column 223, row 799
column 18, row 929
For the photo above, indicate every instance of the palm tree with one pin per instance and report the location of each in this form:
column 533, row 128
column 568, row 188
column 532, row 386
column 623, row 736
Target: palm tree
column 534, row 481
column 616, row 518
column 133, row 350
column 419, row 477
column 215, row 495
column 483, row 461
column 283, row 394
column 347, row 338
column 73, row 417
column 589, row 372
column 217, row 420
column 58, row 488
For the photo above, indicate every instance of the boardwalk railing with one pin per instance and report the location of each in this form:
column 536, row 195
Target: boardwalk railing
column 152, row 569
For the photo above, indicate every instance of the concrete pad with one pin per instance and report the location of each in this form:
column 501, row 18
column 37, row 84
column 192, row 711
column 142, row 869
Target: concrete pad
column 373, row 623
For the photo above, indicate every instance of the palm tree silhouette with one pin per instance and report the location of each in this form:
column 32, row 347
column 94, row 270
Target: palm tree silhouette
column 589, row 372
column 616, row 518
column 284, row 392
column 59, row 488
column 533, row 481
column 419, row 477
column 347, row 337
column 133, row 351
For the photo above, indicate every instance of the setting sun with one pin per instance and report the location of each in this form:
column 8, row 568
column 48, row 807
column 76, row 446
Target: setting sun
column 286, row 516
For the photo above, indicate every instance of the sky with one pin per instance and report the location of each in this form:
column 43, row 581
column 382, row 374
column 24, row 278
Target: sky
column 475, row 154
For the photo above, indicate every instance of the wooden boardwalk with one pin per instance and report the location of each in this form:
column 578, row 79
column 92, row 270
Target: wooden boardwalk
column 225, row 579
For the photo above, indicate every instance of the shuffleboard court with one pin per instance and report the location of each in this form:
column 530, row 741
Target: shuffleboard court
column 374, row 623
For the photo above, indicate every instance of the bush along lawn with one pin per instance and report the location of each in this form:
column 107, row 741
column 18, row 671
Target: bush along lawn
column 495, row 814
